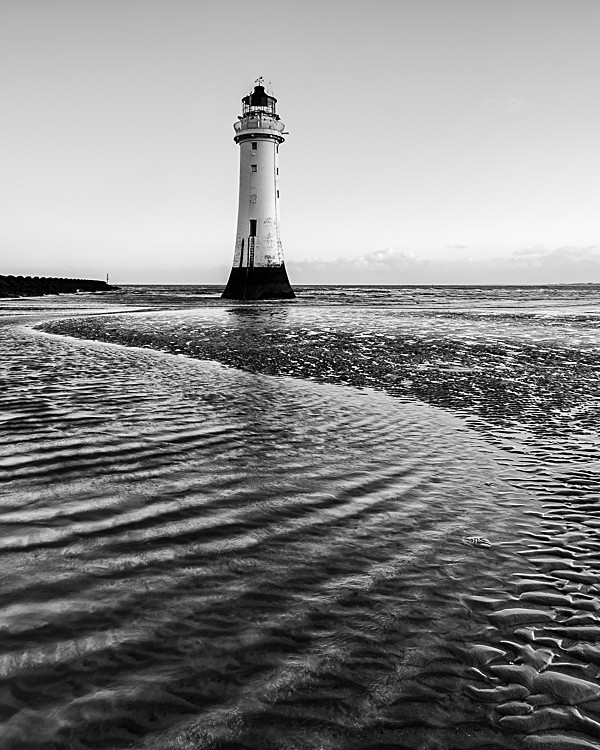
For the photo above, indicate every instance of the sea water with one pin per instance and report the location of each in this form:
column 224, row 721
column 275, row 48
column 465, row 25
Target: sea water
column 365, row 518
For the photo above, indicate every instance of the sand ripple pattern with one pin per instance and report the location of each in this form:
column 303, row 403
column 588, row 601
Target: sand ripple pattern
column 194, row 556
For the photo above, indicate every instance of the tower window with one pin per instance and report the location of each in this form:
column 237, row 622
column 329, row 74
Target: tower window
column 252, row 227
column 278, row 193
column 254, row 167
column 254, row 146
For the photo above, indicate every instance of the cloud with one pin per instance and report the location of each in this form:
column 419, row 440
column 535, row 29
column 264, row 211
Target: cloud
column 537, row 250
column 566, row 264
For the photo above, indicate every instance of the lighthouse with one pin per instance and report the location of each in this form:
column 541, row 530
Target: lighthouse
column 258, row 270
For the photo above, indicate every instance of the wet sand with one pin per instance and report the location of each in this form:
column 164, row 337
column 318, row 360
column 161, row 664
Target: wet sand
column 204, row 557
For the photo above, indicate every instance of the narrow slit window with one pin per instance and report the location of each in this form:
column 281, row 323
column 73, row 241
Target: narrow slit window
column 254, row 146
column 252, row 227
column 254, row 167
column 278, row 193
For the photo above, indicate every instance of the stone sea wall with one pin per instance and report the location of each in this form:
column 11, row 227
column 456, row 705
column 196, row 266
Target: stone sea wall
column 35, row 286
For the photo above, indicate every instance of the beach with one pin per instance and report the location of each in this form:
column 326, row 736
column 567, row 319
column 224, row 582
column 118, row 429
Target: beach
column 367, row 518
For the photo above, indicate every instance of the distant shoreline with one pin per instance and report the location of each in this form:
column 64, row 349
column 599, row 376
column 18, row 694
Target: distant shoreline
column 37, row 286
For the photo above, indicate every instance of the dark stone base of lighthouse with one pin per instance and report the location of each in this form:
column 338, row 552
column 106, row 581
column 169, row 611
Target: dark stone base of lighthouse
column 258, row 283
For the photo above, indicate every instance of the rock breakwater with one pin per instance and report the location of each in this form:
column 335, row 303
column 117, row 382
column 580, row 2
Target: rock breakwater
column 36, row 286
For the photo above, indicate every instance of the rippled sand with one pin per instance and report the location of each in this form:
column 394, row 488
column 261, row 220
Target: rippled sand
column 196, row 556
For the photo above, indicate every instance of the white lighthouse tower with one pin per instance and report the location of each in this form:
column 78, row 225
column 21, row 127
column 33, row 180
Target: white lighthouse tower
column 258, row 270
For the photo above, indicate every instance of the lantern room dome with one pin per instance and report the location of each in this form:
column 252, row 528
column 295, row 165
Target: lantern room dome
column 259, row 100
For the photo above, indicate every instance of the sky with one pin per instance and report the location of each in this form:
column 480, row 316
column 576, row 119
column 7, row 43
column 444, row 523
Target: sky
column 430, row 141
